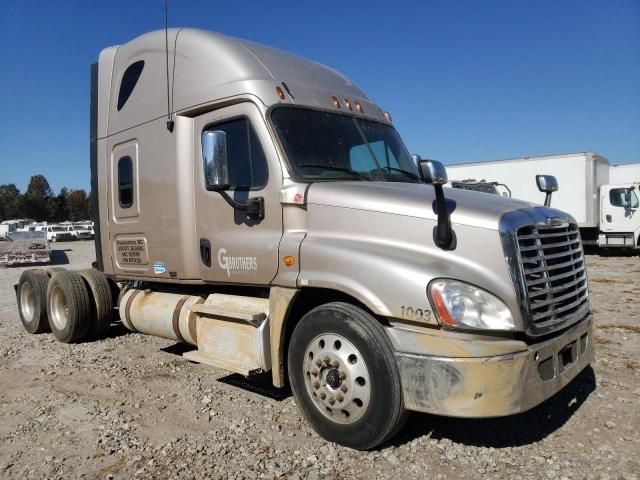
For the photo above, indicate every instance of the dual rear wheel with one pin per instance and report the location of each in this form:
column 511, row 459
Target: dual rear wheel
column 72, row 305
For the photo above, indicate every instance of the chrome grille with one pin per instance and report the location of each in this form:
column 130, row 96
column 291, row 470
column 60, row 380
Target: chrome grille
column 554, row 273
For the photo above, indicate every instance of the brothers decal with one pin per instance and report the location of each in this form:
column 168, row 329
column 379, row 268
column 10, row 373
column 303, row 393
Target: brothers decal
column 237, row 265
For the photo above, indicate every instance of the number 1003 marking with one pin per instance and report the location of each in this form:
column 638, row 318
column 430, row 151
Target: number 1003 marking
column 412, row 313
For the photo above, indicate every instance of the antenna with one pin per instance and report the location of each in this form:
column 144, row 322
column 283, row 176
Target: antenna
column 170, row 122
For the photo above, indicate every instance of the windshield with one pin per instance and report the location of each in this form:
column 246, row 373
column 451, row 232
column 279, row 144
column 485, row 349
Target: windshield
column 329, row 146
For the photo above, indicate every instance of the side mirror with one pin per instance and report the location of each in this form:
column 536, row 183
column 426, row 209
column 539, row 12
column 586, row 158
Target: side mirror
column 215, row 161
column 433, row 172
column 547, row 184
column 216, row 173
column 627, row 198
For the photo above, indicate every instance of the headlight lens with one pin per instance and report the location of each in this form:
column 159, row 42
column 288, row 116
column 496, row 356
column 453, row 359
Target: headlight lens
column 460, row 305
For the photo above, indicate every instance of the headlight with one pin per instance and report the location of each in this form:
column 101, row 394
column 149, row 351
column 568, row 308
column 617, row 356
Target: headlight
column 460, row 305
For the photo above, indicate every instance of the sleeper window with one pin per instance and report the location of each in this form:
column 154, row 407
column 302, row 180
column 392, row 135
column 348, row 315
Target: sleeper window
column 125, row 182
column 128, row 82
column 247, row 161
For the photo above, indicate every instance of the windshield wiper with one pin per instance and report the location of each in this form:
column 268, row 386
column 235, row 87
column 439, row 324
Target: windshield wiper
column 399, row 170
column 331, row 167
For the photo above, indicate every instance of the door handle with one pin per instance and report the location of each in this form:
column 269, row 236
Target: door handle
column 205, row 252
column 608, row 218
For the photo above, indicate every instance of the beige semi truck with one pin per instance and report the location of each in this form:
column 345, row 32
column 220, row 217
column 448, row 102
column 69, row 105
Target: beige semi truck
column 262, row 208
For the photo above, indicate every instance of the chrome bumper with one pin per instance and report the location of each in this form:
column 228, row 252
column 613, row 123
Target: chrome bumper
column 495, row 385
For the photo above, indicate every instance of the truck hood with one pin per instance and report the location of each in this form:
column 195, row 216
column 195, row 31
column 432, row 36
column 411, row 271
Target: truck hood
column 467, row 207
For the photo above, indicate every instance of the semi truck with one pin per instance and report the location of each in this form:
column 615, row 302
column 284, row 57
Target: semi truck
column 601, row 197
column 273, row 219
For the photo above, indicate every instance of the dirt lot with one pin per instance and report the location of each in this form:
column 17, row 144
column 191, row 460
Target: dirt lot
column 131, row 406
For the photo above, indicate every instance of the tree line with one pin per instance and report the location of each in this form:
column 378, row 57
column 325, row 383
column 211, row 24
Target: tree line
column 41, row 204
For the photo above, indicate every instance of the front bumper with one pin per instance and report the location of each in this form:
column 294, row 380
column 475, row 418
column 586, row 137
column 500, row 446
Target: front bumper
column 495, row 385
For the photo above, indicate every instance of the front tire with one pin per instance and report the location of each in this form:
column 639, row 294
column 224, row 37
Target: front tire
column 344, row 377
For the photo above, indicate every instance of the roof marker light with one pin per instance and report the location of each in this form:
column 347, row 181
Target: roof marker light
column 335, row 101
column 347, row 104
column 280, row 93
column 387, row 115
column 358, row 107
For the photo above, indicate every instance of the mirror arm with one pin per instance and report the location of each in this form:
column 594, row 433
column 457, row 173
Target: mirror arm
column 254, row 206
column 547, row 199
column 443, row 234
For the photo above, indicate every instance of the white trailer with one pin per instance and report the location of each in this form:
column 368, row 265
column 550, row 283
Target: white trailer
column 604, row 207
column 628, row 173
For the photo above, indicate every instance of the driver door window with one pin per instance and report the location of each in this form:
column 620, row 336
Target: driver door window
column 247, row 161
column 623, row 197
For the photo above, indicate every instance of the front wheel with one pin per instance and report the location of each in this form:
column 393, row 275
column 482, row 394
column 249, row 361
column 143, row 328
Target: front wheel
column 344, row 376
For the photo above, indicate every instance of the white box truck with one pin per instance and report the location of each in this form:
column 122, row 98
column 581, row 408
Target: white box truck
column 602, row 198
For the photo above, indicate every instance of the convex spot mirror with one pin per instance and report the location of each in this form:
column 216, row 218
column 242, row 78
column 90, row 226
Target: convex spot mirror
column 629, row 197
column 547, row 183
column 433, row 172
column 215, row 160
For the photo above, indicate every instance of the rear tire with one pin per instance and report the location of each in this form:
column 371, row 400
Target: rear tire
column 68, row 306
column 32, row 300
column 102, row 305
column 52, row 270
column 344, row 376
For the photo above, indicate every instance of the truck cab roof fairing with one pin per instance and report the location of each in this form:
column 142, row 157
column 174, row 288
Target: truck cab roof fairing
column 206, row 66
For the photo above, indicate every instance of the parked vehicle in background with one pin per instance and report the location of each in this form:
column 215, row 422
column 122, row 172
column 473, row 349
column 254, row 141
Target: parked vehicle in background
column 85, row 231
column 606, row 212
column 56, row 233
column 278, row 224
column 5, row 228
column 79, row 232
column 19, row 248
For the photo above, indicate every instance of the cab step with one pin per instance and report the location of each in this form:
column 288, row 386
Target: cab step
column 232, row 333
column 208, row 359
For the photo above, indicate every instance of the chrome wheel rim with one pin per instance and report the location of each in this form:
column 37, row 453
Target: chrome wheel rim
column 59, row 309
column 337, row 378
column 27, row 301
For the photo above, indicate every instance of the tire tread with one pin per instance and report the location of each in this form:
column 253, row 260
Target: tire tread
column 102, row 301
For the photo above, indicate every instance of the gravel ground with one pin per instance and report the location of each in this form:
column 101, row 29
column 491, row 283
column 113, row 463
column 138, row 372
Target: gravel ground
column 131, row 406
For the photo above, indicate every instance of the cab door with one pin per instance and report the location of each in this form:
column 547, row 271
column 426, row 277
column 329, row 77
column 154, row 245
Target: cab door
column 620, row 207
column 233, row 247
